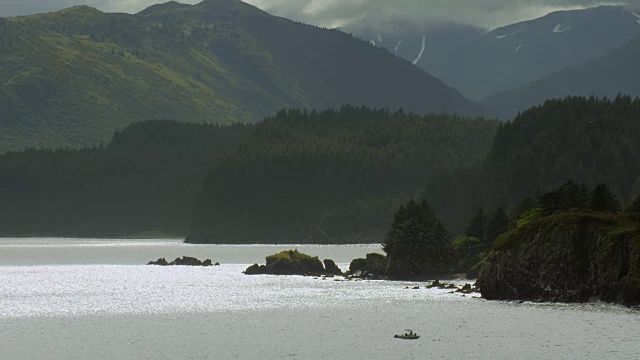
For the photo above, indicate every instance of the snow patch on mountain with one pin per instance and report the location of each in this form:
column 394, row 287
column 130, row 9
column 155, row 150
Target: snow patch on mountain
column 558, row 29
column 397, row 46
column 424, row 46
column 501, row 36
column 519, row 31
column 519, row 47
column 638, row 16
column 380, row 38
column 372, row 42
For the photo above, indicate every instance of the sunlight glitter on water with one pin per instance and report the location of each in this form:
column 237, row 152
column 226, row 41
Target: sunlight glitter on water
column 116, row 289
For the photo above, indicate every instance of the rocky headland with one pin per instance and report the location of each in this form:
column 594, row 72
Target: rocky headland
column 566, row 257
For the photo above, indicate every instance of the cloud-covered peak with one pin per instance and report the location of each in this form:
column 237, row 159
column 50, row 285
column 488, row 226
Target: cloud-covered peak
column 488, row 14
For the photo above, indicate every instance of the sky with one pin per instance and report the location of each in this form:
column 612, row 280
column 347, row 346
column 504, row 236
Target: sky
column 488, row 14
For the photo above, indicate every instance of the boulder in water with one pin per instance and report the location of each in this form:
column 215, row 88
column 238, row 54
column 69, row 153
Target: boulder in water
column 372, row 267
column 185, row 261
column 331, row 267
column 289, row 262
column 160, row 262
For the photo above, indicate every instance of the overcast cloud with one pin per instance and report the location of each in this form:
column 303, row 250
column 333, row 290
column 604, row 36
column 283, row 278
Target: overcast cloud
column 333, row 13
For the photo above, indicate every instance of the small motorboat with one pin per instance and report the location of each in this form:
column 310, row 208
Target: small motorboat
column 408, row 336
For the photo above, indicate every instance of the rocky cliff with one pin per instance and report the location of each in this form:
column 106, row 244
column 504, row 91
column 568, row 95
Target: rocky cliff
column 567, row 257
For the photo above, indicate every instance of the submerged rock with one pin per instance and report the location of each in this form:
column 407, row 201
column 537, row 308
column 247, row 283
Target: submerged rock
column 185, row 261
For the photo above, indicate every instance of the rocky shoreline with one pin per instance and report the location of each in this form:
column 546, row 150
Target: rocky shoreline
column 372, row 267
column 570, row 257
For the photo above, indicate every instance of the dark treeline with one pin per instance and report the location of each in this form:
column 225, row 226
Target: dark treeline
column 418, row 244
column 332, row 176
column 590, row 140
column 146, row 179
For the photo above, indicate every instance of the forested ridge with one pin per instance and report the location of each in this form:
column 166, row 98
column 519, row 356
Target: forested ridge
column 146, row 180
column 590, row 140
column 332, row 176
column 320, row 176
column 326, row 171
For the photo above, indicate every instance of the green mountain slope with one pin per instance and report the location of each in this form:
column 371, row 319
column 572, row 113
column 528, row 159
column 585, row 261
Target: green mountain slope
column 609, row 76
column 72, row 77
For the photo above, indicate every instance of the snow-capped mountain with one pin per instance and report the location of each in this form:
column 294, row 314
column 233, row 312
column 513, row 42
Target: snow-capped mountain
column 516, row 55
column 430, row 49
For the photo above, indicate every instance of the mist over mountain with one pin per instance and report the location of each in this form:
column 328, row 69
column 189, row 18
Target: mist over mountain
column 72, row 77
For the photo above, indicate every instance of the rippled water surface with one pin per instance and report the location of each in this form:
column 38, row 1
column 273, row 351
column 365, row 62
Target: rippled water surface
column 81, row 299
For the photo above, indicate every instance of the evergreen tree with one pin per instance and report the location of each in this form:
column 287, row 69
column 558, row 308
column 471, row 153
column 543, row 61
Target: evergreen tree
column 497, row 224
column 603, row 200
column 477, row 226
column 570, row 195
column 417, row 243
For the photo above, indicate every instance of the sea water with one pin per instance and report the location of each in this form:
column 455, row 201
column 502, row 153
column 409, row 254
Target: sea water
column 86, row 299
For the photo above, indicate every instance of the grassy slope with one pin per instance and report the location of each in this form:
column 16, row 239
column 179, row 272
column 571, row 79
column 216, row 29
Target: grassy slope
column 72, row 77
column 58, row 80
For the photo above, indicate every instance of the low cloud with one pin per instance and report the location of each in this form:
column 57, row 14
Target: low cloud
column 488, row 14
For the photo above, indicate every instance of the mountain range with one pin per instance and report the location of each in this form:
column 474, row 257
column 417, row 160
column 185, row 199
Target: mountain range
column 516, row 55
column 483, row 65
column 71, row 78
column 614, row 74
